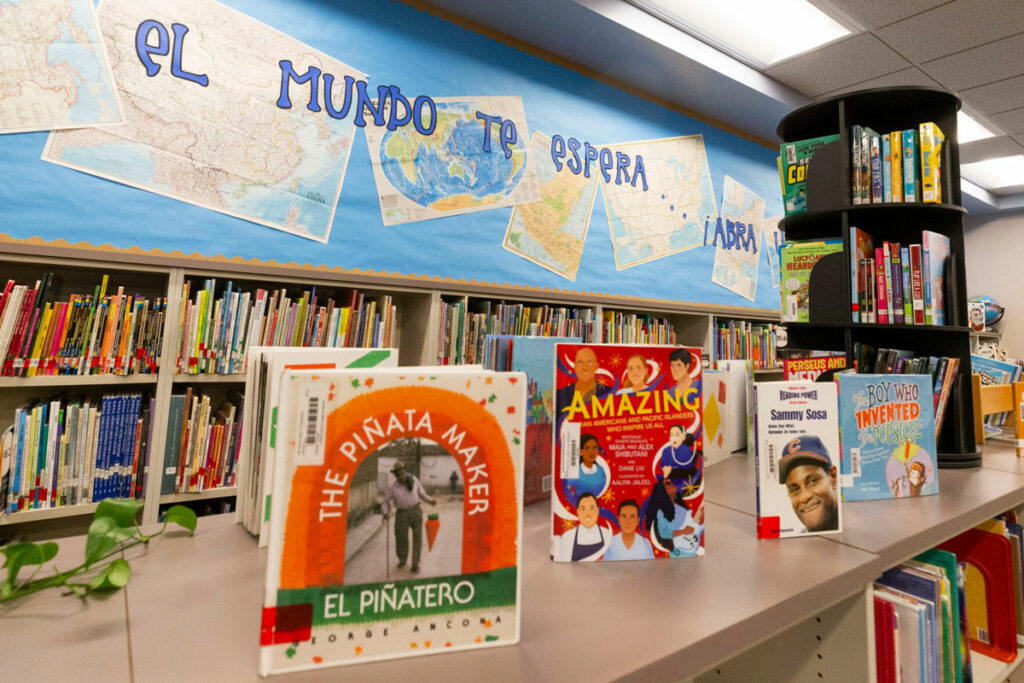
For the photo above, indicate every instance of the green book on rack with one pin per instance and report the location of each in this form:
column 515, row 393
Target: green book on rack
column 796, row 261
column 796, row 156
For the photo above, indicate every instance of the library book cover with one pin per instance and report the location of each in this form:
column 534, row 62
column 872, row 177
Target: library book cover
column 887, row 425
column 628, row 460
column 796, row 437
column 396, row 512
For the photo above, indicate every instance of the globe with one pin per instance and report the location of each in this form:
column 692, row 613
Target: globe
column 993, row 311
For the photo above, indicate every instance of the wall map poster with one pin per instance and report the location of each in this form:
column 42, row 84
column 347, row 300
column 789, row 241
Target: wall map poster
column 55, row 73
column 231, row 130
column 215, row 137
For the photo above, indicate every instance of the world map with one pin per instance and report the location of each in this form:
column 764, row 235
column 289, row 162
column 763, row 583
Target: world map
column 227, row 147
column 551, row 232
column 669, row 217
column 53, row 73
column 448, row 172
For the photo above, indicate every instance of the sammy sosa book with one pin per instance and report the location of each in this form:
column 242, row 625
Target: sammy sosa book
column 338, row 588
column 628, row 473
column 887, row 427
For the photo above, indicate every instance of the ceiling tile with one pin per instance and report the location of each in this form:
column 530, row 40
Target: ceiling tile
column 837, row 65
column 912, row 76
column 872, row 13
column 953, row 27
column 980, row 65
column 1012, row 122
column 990, row 148
column 995, row 98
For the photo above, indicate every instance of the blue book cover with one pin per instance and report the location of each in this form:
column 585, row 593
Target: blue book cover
column 887, row 435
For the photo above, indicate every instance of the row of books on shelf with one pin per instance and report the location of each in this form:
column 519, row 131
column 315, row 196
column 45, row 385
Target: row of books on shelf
column 62, row 452
column 934, row 614
column 214, row 330
column 461, row 335
column 203, row 438
column 898, row 284
column 900, row 166
column 97, row 333
column 637, row 328
column 743, row 340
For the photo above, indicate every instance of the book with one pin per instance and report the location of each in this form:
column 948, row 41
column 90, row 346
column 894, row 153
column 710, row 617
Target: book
column 886, row 663
column 875, row 142
column 796, row 261
column 947, row 562
column 931, row 139
column 335, row 594
column 862, row 246
column 628, row 460
column 259, row 417
column 911, row 157
column 886, row 168
column 896, row 142
column 795, row 160
column 534, row 356
column 797, row 459
column 855, row 169
column 912, row 632
column 935, row 254
column 914, row 584
column 809, row 366
column 888, row 437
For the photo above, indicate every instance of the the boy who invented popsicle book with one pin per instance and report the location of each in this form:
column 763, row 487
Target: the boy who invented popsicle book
column 396, row 516
column 628, row 463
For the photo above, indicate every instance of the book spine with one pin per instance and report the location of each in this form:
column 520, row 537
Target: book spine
column 910, row 189
column 896, row 277
column 876, row 169
column 855, row 179
column 931, row 148
column 886, row 169
column 880, row 290
column 896, row 138
column 908, row 306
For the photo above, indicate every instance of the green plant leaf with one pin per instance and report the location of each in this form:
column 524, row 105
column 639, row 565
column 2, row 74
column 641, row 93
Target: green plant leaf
column 182, row 516
column 104, row 535
column 21, row 554
column 114, row 576
column 121, row 510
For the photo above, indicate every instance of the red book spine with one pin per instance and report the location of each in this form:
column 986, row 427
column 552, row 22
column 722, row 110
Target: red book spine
column 883, row 301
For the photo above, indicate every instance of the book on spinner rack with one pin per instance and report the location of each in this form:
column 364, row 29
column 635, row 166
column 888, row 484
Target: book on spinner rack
column 628, row 458
column 335, row 592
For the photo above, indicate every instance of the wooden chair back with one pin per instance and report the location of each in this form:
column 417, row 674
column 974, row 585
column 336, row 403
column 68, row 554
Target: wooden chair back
column 1000, row 398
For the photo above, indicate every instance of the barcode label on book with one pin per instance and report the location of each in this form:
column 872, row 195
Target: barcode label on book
column 791, row 307
column 983, row 635
column 309, row 443
column 772, row 464
column 855, row 462
column 545, row 483
column 790, row 154
column 570, row 460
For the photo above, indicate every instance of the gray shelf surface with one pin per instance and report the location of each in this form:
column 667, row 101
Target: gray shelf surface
column 194, row 604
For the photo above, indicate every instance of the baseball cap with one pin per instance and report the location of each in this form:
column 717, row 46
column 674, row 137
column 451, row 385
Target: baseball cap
column 803, row 450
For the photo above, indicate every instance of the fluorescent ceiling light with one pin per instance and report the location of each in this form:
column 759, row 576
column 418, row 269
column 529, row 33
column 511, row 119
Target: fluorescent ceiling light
column 993, row 174
column 969, row 130
column 761, row 32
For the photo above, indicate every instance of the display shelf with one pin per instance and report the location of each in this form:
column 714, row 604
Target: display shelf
column 209, row 379
column 75, row 381
column 221, row 492
column 41, row 514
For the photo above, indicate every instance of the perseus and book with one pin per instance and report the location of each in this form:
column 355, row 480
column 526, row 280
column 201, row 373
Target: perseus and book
column 391, row 498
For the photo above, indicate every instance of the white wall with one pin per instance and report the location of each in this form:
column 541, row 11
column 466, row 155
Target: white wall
column 994, row 259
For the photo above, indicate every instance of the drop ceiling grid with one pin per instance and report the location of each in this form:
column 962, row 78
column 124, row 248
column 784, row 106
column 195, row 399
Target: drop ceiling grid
column 842, row 63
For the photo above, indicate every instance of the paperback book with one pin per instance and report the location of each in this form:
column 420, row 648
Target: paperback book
column 795, row 160
column 628, row 457
column 337, row 591
column 797, row 456
column 797, row 259
column 887, row 425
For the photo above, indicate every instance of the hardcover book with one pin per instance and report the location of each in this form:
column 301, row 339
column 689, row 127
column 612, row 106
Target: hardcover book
column 932, row 140
column 372, row 447
column 536, row 357
column 887, row 424
column 628, row 456
column 795, row 159
column 935, row 252
column 796, row 437
column 796, row 261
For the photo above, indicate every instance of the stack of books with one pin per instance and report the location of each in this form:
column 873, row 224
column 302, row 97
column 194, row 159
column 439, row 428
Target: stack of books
column 901, row 166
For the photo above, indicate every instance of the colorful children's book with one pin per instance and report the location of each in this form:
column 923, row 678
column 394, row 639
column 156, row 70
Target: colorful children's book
column 896, row 140
column 935, row 253
column 536, row 357
column 796, row 437
column 862, row 246
column 932, row 139
column 796, row 261
column 369, row 447
column 911, row 164
column 887, row 423
column 809, row 367
column 628, row 457
column 795, row 159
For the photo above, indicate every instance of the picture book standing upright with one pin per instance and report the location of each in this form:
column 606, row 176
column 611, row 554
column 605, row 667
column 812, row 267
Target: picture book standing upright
column 628, row 462
column 796, row 437
column 887, row 426
column 367, row 453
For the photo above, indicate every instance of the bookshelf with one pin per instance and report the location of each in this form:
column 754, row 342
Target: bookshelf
column 419, row 327
column 831, row 214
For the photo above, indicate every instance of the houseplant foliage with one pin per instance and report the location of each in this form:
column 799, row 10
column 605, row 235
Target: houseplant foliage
column 112, row 531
